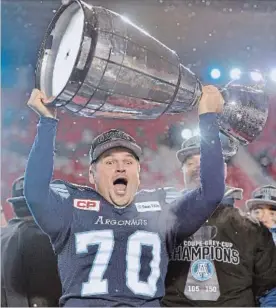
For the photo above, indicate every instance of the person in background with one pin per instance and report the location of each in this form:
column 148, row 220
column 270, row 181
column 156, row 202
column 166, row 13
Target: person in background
column 29, row 275
column 262, row 206
column 230, row 261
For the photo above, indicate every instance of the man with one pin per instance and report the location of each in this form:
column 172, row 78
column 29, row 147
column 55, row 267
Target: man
column 29, row 275
column 263, row 207
column 229, row 261
column 113, row 250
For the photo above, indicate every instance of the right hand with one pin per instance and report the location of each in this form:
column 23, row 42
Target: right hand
column 211, row 100
column 38, row 102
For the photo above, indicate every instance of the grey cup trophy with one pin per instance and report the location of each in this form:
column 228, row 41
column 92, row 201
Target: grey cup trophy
column 96, row 63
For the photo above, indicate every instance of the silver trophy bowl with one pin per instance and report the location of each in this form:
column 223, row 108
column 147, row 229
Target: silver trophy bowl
column 96, row 63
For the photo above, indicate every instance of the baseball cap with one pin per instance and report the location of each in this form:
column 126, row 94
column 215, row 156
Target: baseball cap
column 232, row 194
column 191, row 147
column 17, row 191
column 262, row 195
column 113, row 138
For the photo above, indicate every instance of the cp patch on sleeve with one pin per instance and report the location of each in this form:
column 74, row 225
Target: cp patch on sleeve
column 149, row 206
column 87, row 205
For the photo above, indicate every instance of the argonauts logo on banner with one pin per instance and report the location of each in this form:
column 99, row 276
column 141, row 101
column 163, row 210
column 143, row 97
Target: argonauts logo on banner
column 202, row 269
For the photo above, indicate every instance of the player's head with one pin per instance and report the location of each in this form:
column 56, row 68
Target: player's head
column 263, row 205
column 115, row 167
column 189, row 157
column 18, row 200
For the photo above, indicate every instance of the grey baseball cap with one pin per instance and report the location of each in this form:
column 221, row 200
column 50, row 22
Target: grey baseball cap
column 231, row 194
column 263, row 195
column 113, row 139
column 191, row 147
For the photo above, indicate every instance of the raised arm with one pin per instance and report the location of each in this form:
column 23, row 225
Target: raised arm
column 197, row 205
column 49, row 204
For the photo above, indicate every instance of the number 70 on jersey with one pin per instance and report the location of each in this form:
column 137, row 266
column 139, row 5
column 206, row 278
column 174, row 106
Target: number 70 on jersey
column 105, row 240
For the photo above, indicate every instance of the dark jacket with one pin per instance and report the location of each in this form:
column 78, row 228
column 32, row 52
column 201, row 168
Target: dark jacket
column 28, row 266
column 230, row 261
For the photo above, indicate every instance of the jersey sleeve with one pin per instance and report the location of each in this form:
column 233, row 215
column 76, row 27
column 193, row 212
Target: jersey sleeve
column 264, row 271
column 194, row 207
column 49, row 203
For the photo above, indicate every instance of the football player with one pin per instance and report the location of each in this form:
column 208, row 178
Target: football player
column 113, row 248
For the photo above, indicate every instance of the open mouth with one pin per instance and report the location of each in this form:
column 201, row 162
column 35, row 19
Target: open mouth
column 120, row 185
